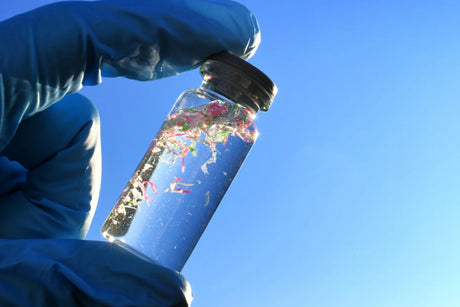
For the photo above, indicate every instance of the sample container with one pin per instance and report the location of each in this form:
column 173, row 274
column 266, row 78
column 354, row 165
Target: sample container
column 175, row 190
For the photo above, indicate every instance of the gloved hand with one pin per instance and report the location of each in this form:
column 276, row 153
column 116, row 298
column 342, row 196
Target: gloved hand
column 49, row 140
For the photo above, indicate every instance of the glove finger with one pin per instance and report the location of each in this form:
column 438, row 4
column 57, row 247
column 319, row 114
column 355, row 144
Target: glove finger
column 60, row 150
column 170, row 37
column 60, row 272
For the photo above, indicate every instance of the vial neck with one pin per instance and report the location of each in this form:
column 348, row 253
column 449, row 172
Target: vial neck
column 232, row 92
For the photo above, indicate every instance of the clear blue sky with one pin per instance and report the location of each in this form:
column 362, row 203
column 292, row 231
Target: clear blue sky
column 354, row 182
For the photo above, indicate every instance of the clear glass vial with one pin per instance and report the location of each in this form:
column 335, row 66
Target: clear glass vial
column 190, row 164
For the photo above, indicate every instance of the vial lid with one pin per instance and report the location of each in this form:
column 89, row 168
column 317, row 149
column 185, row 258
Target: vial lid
column 259, row 86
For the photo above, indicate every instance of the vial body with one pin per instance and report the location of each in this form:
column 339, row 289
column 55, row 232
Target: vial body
column 182, row 178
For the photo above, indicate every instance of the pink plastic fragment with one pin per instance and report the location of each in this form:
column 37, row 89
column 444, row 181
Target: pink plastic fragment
column 142, row 187
column 179, row 190
column 152, row 185
column 184, row 153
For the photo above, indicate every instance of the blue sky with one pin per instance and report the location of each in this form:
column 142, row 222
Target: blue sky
column 354, row 181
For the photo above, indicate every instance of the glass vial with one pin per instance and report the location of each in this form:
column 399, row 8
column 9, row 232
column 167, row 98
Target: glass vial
column 175, row 190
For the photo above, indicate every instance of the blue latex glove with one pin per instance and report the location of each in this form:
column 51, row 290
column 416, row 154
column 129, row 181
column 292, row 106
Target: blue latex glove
column 49, row 140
